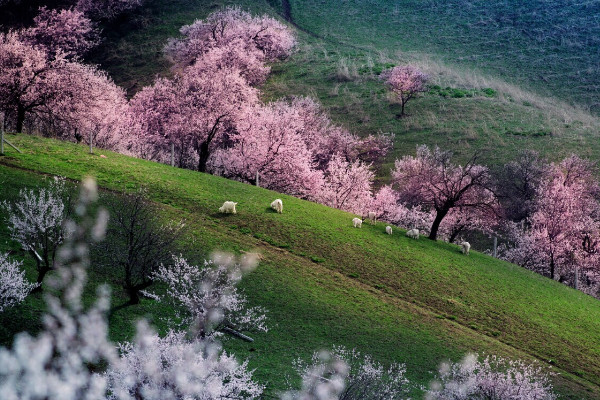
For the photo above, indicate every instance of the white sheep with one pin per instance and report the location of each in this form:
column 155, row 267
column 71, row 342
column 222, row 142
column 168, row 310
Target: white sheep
column 465, row 247
column 277, row 205
column 388, row 230
column 372, row 216
column 357, row 222
column 228, row 208
column 413, row 233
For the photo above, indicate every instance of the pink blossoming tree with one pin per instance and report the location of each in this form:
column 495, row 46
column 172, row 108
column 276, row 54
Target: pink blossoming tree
column 405, row 82
column 563, row 232
column 430, row 181
column 68, row 32
column 196, row 110
column 252, row 39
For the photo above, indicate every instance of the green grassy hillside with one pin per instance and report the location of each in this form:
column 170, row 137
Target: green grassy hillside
column 540, row 61
column 325, row 283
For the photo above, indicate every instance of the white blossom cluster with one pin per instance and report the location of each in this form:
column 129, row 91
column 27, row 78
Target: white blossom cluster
column 207, row 296
column 494, row 378
column 323, row 379
column 13, row 285
column 38, row 216
column 57, row 363
column 363, row 377
column 175, row 367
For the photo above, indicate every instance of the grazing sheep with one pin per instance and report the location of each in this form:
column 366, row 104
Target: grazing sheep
column 277, row 205
column 357, row 222
column 465, row 247
column 228, row 208
column 388, row 230
column 372, row 216
column 413, row 233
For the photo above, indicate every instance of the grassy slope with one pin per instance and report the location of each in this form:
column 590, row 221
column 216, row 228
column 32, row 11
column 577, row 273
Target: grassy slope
column 447, row 39
column 325, row 282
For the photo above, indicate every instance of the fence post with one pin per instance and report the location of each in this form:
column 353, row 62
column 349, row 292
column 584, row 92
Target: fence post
column 91, row 142
column 172, row 154
column 2, row 135
column 495, row 253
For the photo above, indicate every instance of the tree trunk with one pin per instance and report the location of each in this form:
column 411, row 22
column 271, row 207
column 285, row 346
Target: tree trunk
column 42, row 271
column 454, row 235
column 439, row 216
column 20, row 119
column 203, row 155
column 134, row 297
column 134, row 291
column 552, row 267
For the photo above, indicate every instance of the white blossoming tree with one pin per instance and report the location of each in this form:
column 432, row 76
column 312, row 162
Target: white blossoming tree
column 364, row 378
column 189, row 365
column 58, row 362
column 35, row 221
column 324, row 379
column 494, row 378
column 176, row 367
column 14, row 287
column 197, row 292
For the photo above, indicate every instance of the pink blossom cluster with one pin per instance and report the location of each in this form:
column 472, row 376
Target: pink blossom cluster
column 233, row 38
column 45, row 88
column 561, row 237
column 406, row 82
column 458, row 198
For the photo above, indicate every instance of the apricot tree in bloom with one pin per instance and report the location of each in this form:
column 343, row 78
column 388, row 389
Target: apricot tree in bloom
column 90, row 107
column 361, row 376
column 68, row 32
column 36, row 222
column 26, row 81
column 14, row 287
column 196, row 291
column 58, row 96
column 174, row 367
column 271, row 143
column 347, row 185
column 429, row 180
column 262, row 37
column 57, row 363
column 196, row 110
column 406, row 82
column 493, row 378
column 564, row 230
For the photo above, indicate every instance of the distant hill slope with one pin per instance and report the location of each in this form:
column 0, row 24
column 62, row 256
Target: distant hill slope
column 325, row 283
column 539, row 62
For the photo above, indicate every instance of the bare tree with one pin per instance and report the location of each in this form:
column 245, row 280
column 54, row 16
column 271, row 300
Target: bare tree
column 138, row 241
